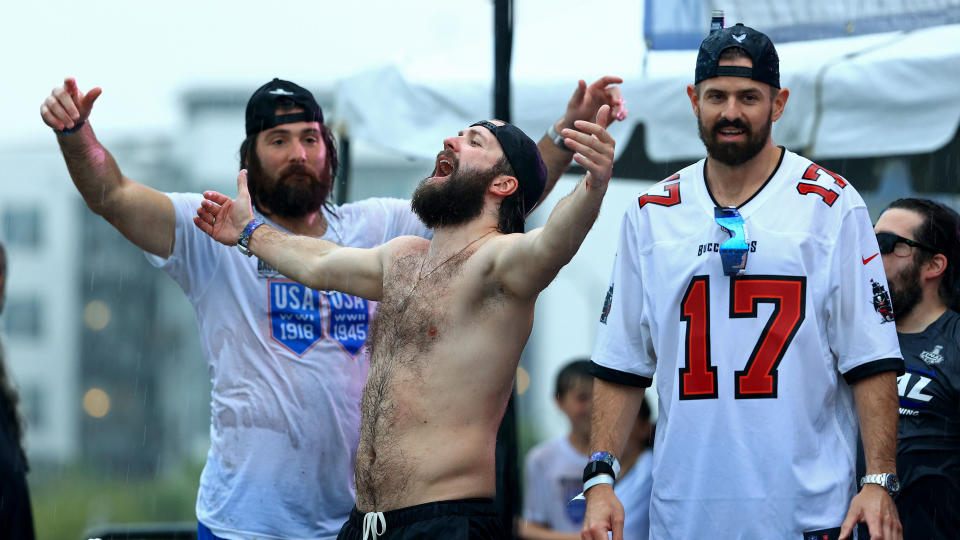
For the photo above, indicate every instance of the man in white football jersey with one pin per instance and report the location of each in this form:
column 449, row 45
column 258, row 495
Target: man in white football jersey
column 750, row 283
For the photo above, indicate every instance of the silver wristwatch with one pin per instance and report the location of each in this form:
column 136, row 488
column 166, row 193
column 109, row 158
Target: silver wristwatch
column 887, row 480
column 557, row 138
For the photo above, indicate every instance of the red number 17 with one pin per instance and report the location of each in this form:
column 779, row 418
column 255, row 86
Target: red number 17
column 758, row 378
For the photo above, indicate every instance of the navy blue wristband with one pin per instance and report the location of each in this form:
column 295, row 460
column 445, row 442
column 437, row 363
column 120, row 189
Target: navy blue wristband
column 74, row 129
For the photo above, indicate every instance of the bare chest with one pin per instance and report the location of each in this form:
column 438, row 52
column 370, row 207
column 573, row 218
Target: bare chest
column 418, row 308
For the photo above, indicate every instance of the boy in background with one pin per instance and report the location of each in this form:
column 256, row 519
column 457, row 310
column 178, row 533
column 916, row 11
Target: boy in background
column 554, row 468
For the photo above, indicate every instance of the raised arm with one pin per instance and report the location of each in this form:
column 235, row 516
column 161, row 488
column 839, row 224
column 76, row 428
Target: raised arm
column 531, row 262
column 316, row 263
column 143, row 215
column 583, row 105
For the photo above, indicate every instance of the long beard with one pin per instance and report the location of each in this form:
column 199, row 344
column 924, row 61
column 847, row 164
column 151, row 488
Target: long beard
column 454, row 201
column 298, row 190
column 905, row 292
column 733, row 154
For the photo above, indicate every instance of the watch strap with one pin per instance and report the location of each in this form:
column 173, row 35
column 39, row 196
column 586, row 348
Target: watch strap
column 557, row 138
column 244, row 240
column 888, row 481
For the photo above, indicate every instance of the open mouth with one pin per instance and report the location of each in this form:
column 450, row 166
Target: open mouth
column 444, row 167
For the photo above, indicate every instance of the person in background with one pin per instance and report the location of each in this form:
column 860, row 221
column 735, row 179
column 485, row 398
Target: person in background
column 920, row 247
column 16, row 517
column 554, row 468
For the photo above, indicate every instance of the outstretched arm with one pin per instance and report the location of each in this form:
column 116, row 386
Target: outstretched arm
column 532, row 261
column 583, row 105
column 316, row 263
column 142, row 214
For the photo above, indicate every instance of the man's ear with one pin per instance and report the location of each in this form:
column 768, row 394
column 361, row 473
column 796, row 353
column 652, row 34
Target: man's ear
column 504, row 185
column 779, row 103
column 694, row 98
column 935, row 266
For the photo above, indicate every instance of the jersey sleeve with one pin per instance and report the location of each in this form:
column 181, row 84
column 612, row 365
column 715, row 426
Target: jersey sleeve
column 861, row 331
column 195, row 255
column 623, row 352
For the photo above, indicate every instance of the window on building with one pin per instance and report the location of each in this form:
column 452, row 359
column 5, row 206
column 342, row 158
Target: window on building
column 22, row 317
column 22, row 226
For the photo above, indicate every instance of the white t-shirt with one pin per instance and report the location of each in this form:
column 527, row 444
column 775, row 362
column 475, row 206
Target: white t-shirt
column 554, row 476
column 288, row 367
column 757, row 431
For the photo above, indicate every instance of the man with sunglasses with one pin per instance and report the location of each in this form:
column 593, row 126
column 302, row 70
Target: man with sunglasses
column 921, row 254
column 747, row 283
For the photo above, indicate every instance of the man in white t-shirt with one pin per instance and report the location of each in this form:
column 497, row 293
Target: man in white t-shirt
column 751, row 284
column 286, row 362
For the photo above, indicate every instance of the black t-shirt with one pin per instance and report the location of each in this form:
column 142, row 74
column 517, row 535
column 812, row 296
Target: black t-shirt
column 928, row 439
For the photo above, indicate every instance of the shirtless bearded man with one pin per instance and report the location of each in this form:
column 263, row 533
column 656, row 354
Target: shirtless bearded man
column 455, row 313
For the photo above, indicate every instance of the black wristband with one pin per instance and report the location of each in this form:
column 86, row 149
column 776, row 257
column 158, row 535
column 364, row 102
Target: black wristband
column 597, row 467
column 74, row 129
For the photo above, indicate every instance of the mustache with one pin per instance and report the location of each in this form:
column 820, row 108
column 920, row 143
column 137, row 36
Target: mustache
column 724, row 123
column 297, row 169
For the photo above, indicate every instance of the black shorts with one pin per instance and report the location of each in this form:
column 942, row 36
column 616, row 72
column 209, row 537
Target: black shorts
column 464, row 519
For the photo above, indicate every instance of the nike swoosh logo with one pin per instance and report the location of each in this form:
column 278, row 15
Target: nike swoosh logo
column 868, row 259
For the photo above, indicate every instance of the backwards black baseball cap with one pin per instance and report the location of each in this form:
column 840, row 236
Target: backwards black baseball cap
column 766, row 63
column 280, row 94
column 524, row 157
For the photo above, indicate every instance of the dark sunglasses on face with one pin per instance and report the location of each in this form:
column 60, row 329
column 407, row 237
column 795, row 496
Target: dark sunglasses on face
column 898, row 245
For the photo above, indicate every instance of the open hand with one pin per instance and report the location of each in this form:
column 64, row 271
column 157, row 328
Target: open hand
column 224, row 218
column 875, row 507
column 593, row 146
column 587, row 100
column 67, row 106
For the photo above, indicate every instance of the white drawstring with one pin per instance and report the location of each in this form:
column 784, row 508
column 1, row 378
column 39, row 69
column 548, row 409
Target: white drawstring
column 374, row 524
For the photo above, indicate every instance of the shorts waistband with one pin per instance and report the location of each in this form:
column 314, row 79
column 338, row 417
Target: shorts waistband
column 401, row 517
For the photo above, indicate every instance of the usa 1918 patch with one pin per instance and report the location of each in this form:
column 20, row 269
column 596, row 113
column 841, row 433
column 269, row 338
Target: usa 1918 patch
column 295, row 315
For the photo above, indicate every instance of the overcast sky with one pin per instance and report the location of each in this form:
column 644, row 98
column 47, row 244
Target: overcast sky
column 145, row 54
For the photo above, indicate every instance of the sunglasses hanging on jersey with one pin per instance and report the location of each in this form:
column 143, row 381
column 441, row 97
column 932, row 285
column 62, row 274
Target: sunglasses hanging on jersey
column 733, row 252
column 898, row 245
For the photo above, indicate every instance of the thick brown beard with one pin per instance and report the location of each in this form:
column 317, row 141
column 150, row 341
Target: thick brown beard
column 734, row 154
column 286, row 196
column 454, row 201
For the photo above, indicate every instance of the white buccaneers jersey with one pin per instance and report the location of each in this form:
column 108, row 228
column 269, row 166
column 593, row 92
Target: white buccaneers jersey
column 757, row 431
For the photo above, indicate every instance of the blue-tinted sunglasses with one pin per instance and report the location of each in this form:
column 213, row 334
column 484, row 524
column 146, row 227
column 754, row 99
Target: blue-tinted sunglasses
column 733, row 252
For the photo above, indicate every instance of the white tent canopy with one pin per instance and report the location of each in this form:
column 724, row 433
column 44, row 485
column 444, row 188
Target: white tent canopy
column 873, row 95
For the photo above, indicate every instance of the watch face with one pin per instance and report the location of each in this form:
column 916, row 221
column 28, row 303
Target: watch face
column 893, row 483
